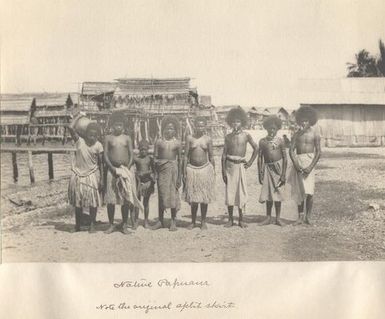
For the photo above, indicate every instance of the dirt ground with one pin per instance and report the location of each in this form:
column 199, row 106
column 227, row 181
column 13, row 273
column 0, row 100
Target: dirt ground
column 37, row 223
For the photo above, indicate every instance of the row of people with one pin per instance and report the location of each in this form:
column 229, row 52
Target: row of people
column 195, row 171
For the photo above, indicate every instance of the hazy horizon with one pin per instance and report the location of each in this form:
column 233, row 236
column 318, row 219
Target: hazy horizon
column 245, row 52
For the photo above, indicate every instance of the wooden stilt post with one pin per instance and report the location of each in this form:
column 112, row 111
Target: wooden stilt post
column 30, row 165
column 50, row 165
column 14, row 165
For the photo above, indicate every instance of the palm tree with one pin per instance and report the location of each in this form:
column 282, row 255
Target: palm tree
column 381, row 59
column 365, row 65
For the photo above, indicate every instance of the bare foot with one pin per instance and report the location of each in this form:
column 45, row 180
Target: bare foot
column 230, row 223
column 135, row 225
column 173, row 226
column 204, row 226
column 146, row 225
column 92, row 229
column 242, row 224
column 76, row 229
column 279, row 222
column 124, row 229
column 299, row 221
column 306, row 221
column 267, row 221
column 191, row 226
column 158, row 225
column 110, row 229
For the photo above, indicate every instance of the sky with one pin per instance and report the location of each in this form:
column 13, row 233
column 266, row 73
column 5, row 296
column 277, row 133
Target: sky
column 250, row 53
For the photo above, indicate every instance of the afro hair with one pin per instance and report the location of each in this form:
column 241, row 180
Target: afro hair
column 272, row 120
column 306, row 113
column 237, row 113
column 173, row 120
column 118, row 117
column 93, row 126
column 143, row 144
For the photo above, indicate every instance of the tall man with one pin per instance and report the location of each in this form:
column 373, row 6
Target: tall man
column 305, row 152
column 234, row 164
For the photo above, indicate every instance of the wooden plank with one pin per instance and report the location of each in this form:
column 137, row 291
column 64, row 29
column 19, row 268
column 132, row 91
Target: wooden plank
column 15, row 169
column 30, row 166
column 50, row 165
column 34, row 150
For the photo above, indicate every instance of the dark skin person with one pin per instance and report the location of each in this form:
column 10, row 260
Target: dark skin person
column 118, row 152
column 145, row 167
column 269, row 153
column 90, row 139
column 236, row 144
column 198, row 151
column 306, row 140
column 171, row 149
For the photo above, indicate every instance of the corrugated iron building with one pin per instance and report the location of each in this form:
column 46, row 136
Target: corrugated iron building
column 351, row 111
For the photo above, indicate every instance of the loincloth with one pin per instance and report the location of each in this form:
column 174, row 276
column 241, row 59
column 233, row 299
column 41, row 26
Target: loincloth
column 145, row 185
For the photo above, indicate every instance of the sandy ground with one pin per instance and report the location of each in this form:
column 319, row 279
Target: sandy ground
column 343, row 227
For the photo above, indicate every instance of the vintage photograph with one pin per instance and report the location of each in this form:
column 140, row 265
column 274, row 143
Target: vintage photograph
column 183, row 131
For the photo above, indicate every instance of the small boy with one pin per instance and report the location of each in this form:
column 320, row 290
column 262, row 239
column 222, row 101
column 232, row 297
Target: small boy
column 87, row 171
column 305, row 152
column 168, row 155
column 234, row 163
column 120, row 186
column 272, row 164
column 145, row 176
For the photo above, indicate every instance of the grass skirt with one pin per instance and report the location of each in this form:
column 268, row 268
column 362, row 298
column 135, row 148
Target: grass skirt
column 200, row 184
column 83, row 190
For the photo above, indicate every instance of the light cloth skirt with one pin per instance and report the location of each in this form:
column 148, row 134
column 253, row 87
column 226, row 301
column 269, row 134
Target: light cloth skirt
column 271, row 176
column 236, row 187
column 301, row 185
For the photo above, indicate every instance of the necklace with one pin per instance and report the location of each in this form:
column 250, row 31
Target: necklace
column 273, row 142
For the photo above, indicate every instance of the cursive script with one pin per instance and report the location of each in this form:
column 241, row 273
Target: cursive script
column 163, row 283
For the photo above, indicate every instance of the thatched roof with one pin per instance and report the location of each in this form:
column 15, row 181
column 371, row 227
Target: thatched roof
column 15, row 102
column 97, row 88
column 9, row 119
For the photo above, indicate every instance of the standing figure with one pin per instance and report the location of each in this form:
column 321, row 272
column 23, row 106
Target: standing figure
column 199, row 172
column 272, row 164
column 145, row 176
column 87, row 171
column 121, row 184
column 305, row 152
column 168, row 154
column 234, row 163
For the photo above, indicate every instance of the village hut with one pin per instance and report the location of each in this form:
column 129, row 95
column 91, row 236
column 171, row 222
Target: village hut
column 97, row 96
column 50, row 113
column 15, row 113
column 351, row 111
column 144, row 101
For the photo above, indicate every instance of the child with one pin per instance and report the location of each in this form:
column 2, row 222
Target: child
column 305, row 152
column 272, row 164
column 199, row 171
column 87, row 171
column 234, row 163
column 145, row 175
column 120, row 186
column 167, row 153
